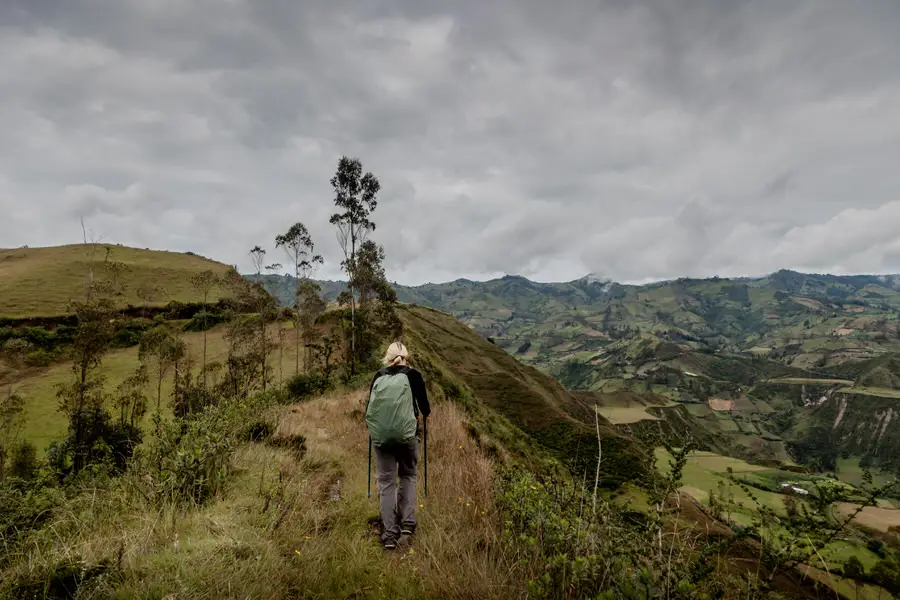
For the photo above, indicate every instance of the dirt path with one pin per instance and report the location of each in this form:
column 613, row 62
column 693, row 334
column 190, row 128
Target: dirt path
column 450, row 553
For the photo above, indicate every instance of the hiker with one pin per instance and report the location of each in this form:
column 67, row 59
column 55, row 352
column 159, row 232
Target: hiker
column 396, row 407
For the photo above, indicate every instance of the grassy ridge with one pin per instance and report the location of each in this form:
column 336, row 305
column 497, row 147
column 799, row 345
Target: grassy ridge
column 41, row 281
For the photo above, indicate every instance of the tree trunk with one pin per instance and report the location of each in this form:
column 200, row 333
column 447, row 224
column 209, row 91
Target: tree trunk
column 159, row 395
column 204, row 355
column 352, row 285
column 297, row 340
column 262, row 346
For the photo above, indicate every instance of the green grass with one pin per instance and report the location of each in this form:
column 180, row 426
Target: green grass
column 848, row 470
column 705, row 471
column 872, row 391
column 813, row 381
column 618, row 415
column 41, row 281
column 726, row 424
column 839, row 551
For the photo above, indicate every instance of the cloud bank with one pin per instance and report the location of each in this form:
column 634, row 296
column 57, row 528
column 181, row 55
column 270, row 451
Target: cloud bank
column 638, row 140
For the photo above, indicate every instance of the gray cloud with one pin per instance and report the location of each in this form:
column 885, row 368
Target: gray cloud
column 639, row 140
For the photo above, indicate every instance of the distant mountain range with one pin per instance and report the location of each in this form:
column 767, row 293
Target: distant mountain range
column 795, row 316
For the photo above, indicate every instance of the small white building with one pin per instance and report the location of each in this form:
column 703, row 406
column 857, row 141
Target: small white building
column 791, row 488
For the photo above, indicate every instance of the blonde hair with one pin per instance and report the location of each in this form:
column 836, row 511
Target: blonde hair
column 396, row 354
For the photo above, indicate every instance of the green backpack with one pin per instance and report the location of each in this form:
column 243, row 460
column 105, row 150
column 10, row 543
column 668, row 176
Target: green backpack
column 390, row 415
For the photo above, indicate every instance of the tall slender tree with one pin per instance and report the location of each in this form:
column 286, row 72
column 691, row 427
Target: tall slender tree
column 166, row 349
column 263, row 305
column 298, row 245
column 355, row 198
column 205, row 282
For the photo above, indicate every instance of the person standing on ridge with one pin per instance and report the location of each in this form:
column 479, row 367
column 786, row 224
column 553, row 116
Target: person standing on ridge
column 397, row 404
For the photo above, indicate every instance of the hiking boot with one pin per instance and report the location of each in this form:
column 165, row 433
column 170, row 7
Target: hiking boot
column 407, row 531
column 390, row 544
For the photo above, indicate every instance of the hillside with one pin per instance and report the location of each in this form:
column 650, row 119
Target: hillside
column 40, row 282
column 289, row 515
column 481, row 375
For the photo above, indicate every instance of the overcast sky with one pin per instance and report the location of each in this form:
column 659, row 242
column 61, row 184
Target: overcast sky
column 636, row 140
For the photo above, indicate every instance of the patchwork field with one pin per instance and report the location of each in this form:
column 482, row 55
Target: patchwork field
column 720, row 404
column 873, row 517
column 707, row 472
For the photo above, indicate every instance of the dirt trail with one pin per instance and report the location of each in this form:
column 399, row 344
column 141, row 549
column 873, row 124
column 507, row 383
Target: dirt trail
column 456, row 523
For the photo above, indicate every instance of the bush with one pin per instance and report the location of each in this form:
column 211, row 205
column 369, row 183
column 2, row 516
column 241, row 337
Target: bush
column 25, row 506
column 126, row 338
column 190, row 460
column 203, row 321
column 65, row 579
column 23, row 463
column 302, row 387
column 39, row 337
column 296, row 443
column 876, row 547
column 38, row 358
column 258, row 431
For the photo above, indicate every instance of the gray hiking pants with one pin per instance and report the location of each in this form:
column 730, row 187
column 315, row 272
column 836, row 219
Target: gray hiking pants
column 397, row 503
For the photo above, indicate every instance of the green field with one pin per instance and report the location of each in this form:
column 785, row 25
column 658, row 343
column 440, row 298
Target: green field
column 812, row 381
column 848, row 470
column 619, row 415
column 707, row 472
column 43, row 421
column 41, row 281
column 872, row 391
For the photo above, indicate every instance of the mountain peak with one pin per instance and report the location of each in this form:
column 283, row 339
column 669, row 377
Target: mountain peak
column 596, row 278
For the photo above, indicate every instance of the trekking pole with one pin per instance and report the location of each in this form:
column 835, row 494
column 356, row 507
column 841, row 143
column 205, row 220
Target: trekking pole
column 369, row 476
column 425, row 431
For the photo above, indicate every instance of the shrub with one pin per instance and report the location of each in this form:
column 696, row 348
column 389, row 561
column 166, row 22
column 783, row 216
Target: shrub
column 125, row 338
column 39, row 337
column 25, row 506
column 203, row 321
column 23, row 463
column 876, row 546
column 190, row 460
column 886, row 573
column 258, row 430
column 296, row 443
column 302, row 387
column 16, row 347
column 66, row 579
column 38, row 358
